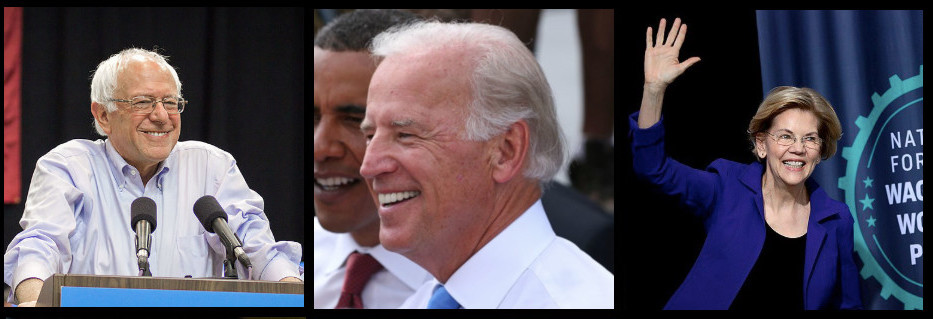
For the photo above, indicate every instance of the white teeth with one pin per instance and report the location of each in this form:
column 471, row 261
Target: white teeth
column 156, row 133
column 793, row 163
column 385, row 199
column 335, row 181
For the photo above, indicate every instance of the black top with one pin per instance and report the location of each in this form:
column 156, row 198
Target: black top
column 776, row 280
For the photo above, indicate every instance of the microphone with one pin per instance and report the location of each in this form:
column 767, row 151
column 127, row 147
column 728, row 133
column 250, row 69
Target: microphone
column 143, row 223
column 214, row 219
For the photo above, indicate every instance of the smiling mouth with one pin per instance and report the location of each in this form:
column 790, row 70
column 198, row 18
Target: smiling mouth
column 156, row 133
column 335, row 183
column 793, row 164
column 390, row 199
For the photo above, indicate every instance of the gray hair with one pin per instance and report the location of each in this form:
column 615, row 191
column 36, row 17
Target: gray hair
column 508, row 85
column 104, row 81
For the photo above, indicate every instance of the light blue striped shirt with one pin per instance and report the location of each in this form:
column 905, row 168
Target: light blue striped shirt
column 77, row 217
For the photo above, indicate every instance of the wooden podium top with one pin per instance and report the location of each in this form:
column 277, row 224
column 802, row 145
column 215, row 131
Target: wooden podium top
column 51, row 289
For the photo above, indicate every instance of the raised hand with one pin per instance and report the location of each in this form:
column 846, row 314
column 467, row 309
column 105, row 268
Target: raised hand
column 662, row 64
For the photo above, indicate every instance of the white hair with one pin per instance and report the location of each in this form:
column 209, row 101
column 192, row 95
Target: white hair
column 104, row 81
column 508, row 85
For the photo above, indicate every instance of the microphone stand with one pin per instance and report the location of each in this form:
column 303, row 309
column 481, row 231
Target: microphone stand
column 143, row 261
column 230, row 266
column 142, row 255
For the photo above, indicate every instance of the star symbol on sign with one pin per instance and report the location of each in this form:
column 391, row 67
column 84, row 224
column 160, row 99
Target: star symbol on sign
column 867, row 202
column 871, row 221
column 868, row 182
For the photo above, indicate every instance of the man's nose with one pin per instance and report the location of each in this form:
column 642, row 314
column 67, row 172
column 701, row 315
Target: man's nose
column 327, row 143
column 377, row 159
column 159, row 113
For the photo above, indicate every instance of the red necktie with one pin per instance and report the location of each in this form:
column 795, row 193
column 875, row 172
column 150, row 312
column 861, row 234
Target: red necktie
column 360, row 268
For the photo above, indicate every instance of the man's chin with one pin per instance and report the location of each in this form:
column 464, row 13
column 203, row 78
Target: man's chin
column 158, row 155
column 395, row 240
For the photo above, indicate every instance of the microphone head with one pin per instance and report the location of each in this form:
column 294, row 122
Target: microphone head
column 143, row 208
column 207, row 209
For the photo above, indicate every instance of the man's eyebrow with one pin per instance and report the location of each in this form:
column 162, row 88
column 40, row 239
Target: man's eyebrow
column 403, row 123
column 367, row 126
column 350, row 108
column 138, row 94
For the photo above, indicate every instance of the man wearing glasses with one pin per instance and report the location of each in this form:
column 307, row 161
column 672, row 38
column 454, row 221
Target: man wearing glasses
column 77, row 214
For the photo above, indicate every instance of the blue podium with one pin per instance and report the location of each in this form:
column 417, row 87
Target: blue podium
column 64, row 290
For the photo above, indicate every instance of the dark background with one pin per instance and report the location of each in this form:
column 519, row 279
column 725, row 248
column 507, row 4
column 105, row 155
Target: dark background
column 242, row 70
column 706, row 112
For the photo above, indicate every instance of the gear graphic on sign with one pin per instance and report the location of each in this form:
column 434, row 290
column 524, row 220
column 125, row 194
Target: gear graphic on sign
column 853, row 155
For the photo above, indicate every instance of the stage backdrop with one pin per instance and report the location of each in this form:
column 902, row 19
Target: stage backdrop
column 869, row 65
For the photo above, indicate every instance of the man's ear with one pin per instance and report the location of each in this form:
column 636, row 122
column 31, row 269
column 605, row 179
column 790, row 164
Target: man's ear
column 101, row 116
column 510, row 152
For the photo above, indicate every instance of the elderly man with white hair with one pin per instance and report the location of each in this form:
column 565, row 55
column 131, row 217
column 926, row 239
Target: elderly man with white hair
column 77, row 213
column 461, row 133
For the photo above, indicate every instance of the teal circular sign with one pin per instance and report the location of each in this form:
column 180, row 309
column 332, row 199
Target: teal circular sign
column 883, row 188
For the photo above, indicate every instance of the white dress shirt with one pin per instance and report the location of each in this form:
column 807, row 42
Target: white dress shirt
column 526, row 266
column 387, row 288
column 77, row 216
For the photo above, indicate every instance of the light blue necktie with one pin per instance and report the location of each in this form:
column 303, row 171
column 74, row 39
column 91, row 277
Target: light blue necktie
column 442, row 300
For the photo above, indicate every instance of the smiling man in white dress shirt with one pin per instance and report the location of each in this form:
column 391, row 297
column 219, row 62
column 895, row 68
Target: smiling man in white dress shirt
column 461, row 134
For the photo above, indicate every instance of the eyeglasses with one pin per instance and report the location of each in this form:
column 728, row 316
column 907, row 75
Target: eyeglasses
column 146, row 104
column 787, row 139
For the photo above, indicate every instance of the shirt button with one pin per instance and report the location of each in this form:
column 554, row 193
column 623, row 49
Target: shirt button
column 133, row 173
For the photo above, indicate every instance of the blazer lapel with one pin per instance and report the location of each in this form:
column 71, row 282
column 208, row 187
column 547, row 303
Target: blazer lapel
column 820, row 211
column 751, row 178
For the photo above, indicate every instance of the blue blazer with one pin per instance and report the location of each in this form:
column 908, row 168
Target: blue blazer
column 727, row 197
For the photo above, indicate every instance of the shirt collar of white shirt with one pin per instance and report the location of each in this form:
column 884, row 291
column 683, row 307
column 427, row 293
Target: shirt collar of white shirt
column 407, row 271
column 483, row 281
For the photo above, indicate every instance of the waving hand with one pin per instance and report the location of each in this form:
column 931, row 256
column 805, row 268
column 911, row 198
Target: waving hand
column 662, row 65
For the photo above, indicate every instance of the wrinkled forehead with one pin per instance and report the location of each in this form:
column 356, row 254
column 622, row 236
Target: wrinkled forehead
column 145, row 72
column 433, row 80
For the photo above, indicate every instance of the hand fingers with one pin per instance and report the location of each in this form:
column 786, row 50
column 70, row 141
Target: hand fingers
column 661, row 26
column 673, row 33
column 680, row 37
column 689, row 62
column 648, row 38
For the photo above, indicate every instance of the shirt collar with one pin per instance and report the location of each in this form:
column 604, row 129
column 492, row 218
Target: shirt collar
column 483, row 281
column 121, row 168
column 405, row 270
